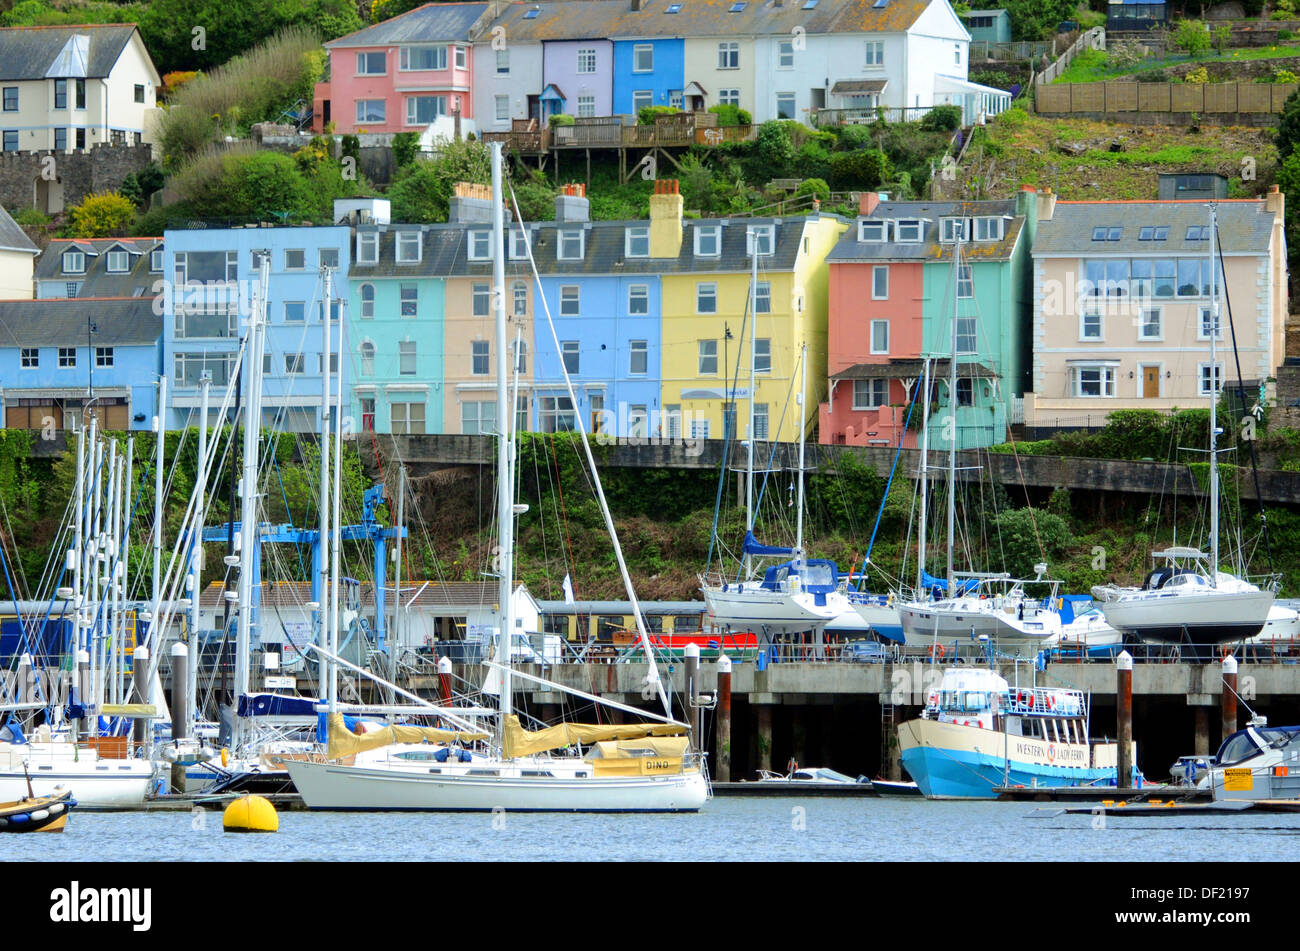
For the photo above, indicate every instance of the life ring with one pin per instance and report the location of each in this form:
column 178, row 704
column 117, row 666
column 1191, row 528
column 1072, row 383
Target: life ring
column 1051, row 701
column 937, row 650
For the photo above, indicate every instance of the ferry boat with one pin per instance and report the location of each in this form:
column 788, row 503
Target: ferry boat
column 978, row 733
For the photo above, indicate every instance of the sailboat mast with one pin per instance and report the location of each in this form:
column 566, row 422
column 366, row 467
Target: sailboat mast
column 753, row 355
column 505, row 463
column 323, row 523
column 336, row 541
column 1214, row 408
column 798, row 518
column 397, row 557
column 925, row 478
column 952, row 414
column 192, row 668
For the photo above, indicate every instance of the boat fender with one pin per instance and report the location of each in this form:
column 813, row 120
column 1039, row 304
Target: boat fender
column 3, row 822
column 464, row 756
column 40, row 814
column 56, row 808
column 19, row 819
column 225, row 756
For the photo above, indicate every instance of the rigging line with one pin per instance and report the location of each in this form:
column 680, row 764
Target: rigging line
column 727, row 436
column 758, row 502
column 885, row 498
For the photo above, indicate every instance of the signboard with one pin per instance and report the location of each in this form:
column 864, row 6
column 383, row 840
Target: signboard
column 1237, row 780
column 281, row 683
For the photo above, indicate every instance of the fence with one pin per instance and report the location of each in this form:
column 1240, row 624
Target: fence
column 620, row 132
column 825, row 117
column 1094, row 39
column 987, row 51
column 1201, row 98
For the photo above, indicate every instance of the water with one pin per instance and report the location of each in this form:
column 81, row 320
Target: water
column 727, row 829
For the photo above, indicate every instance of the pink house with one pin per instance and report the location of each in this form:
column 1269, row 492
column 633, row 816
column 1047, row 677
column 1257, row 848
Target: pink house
column 402, row 74
column 874, row 338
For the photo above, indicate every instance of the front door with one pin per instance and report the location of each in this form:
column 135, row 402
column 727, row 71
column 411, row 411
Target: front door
column 1150, row 382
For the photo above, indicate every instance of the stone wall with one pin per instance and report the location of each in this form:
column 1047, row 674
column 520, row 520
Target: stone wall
column 376, row 155
column 101, row 168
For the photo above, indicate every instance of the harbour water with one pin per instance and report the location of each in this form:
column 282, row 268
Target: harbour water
column 769, row 830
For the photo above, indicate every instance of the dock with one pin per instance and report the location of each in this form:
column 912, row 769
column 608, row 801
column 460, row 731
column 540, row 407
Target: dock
column 1103, row 794
column 795, row 789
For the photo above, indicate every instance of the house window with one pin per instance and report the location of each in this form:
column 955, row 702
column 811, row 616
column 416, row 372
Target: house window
column 368, row 247
column 10, row 98
column 870, row 394
column 421, row 110
column 478, row 417
column 708, row 241
column 60, row 141
column 586, row 107
column 1090, row 325
column 642, row 99
column 988, row 229
column 519, row 291
column 1094, row 380
column 460, row 57
column 480, row 245
column 367, row 358
column 728, row 56
column 570, row 354
column 74, row 262
column 328, row 257
column 880, row 282
column 638, row 299
column 1210, row 378
column 31, row 358
column 966, row 392
column 636, row 242
column 372, row 64
column 1193, row 277
column 871, row 231
column 118, row 262
column 785, row 105
column 557, row 415
column 640, row 357
column 503, row 62
column 956, row 54
column 909, row 230
column 729, row 97
column 406, row 358
column 295, row 259
column 586, row 59
column 410, row 299
column 1194, row 232
column 570, row 304
column 407, row 418
column 80, row 138
column 763, row 355
column 367, row 300
column 482, row 296
column 953, row 229
column 519, row 244
column 759, row 239
column 638, row 419
column 408, row 247
column 706, row 297
column 156, row 261
column 880, row 336
column 1152, row 233
column 571, row 242
column 424, row 57
column 875, row 53
column 966, row 334
column 371, row 110
column 700, row 428
column 643, row 58
column 60, row 94
column 760, row 420
column 293, row 363
column 763, row 297
column 67, row 357
column 1149, row 324
column 785, row 54
column 502, row 108
column 708, row 365
column 965, row 281
column 295, row 312
column 1206, row 324
column 479, row 358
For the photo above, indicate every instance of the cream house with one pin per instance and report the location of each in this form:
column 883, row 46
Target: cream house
column 1122, row 305
column 71, row 88
column 17, row 257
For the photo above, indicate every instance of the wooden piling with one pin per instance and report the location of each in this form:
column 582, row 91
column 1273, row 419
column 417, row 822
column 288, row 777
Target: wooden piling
column 724, row 719
column 1124, row 709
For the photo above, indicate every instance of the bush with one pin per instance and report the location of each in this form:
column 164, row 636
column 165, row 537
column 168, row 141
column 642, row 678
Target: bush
column 729, row 115
column 31, row 218
column 139, row 186
column 173, row 81
column 995, row 78
column 1285, row 76
column 813, row 186
column 647, row 115
column 1191, row 36
column 241, row 183
column 813, row 160
column 406, row 146
column 101, row 215
column 1199, row 75
column 560, row 118
column 422, row 191
column 853, row 137
column 1288, row 128
column 865, row 168
column 1151, row 76
column 942, row 118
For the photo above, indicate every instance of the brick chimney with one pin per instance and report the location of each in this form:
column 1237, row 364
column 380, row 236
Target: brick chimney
column 470, row 203
column 666, row 219
column 1275, row 202
column 571, row 204
column 1046, row 204
column 867, row 202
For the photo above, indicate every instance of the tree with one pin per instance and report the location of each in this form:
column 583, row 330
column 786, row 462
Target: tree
column 1037, row 19
column 1192, row 36
column 1288, row 127
column 422, row 191
column 102, row 215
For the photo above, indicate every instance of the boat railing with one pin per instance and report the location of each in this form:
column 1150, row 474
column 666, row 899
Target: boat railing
column 1044, row 701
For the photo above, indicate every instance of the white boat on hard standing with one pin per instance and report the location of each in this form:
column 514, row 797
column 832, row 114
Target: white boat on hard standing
column 638, row 767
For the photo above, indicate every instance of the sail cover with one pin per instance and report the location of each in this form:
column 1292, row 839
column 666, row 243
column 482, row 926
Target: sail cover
column 521, row 742
column 941, row 584
column 753, row 547
column 343, row 743
column 275, row 705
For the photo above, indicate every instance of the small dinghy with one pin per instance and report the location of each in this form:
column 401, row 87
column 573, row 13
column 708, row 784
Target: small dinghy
column 37, row 813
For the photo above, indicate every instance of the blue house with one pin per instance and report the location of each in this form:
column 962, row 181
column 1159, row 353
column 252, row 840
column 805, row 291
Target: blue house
column 213, row 278
column 59, row 358
column 648, row 72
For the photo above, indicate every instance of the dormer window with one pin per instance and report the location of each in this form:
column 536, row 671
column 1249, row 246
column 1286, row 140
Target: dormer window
column 480, row 245
column 408, row 247
column 708, row 241
column 1195, row 233
column 760, row 239
column 909, row 230
column 118, row 262
column 74, row 262
column 368, row 247
column 571, row 244
column 156, row 260
column 871, row 231
column 951, row 228
column 1106, row 234
column 1153, row 233
column 636, row 242
column 518, row 245
column 988, row 229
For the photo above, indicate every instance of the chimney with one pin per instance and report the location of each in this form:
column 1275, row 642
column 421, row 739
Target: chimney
column 571, row 204
column 666, row 219
column 1046, row 204
column 470, row 203
column 636, row 5
column 867, row 202
column 1275, row 202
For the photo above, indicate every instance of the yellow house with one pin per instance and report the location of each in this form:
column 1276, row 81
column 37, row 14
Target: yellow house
column 709, row 343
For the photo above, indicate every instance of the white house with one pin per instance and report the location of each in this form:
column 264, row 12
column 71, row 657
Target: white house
column 17, row 256
column 73, row 87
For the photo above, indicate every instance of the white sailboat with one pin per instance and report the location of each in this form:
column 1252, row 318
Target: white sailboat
column 644, row 767
column 1190, row 600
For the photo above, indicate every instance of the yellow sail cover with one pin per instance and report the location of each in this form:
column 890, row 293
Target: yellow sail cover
column 343, row 743
column 622, row 749
column 520, row 742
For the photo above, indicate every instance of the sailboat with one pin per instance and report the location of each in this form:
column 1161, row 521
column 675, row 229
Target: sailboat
column 1189, row 600
column 799, row 595
column 642, row 767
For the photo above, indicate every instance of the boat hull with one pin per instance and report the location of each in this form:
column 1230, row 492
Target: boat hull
column 776, row 612
column 95, row 782
column 329, row 786
column 1210, row 618
column 883, row 619
column 923, row 622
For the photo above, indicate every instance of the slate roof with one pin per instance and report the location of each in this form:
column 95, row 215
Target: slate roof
column 929, row 248
column 27, row 52
column 1245, row 225
column 98, row 281
column 431, row 23
column 62, row 322
column 12, row 237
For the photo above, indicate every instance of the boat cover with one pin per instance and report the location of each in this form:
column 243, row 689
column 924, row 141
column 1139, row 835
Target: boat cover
column 344, row 743
column 623, row 749
column 931, row 583
column 754, row 547
column 521, row 742
column 275, row 705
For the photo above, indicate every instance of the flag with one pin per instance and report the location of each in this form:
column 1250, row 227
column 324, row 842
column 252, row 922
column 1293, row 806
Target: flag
column 568, row 590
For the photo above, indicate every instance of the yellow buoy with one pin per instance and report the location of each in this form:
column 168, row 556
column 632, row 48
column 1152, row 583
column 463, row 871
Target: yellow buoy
column 250, row 814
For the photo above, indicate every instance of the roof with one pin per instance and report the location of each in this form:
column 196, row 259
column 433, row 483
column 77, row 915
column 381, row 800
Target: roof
column 929, row 248
column 858, row 85
column 985, row 13
column 13, row 237
column 1245, row 227
column 120, row 322
column 97, row 280
column 431, row 23
column 296, row 594
column 911, row 369
column 29, row 52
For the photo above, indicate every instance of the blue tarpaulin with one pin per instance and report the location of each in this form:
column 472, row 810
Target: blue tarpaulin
column 274, row 705
column 932, row 583
column 753, row 547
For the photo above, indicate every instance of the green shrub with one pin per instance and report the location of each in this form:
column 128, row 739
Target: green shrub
column 816, row 187
column 139, row 186
column 560, row 118
column 31, row 218
column 942, row 118
column 1151, row 76
column 406, row 146
column 853, row 137
column 729, row 115
column 813, row 161
column 865, row 168
column 647, row 115
column 101, row 215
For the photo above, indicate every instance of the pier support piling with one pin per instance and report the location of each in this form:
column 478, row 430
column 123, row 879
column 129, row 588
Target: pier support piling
column 764, row 715
column 1229, row 696
column 692, row 693
column 724, row 719
column 140, row 674
column 444, row 678
column 1202, row 744
column 1124, row 708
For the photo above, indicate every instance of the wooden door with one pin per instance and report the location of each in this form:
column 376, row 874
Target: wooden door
column 1150, row 382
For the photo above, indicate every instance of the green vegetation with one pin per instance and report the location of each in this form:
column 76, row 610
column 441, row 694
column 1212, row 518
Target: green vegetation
column 100, row 215
column 41, row 13
column 1092, row 66
column 423, row 189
